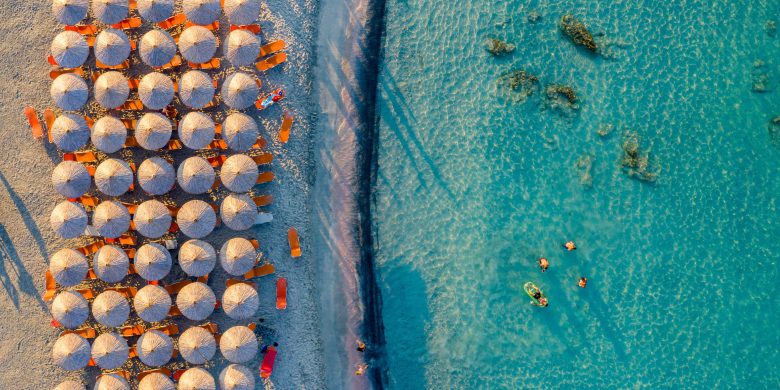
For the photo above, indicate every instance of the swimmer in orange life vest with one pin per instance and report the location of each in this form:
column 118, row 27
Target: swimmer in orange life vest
column 543, row 264
column 570, row 246
column 583, row 282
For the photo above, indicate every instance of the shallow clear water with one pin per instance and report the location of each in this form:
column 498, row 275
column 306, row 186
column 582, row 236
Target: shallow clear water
column 473, row 187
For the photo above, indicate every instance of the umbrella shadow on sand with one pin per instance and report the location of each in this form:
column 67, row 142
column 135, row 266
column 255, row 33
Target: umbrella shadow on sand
column 26, row 217
column 10, row 262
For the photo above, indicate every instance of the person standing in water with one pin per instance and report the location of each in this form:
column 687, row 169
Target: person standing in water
column 361, row 346
column 570, row 246
column 543, row 264
column 583, row 282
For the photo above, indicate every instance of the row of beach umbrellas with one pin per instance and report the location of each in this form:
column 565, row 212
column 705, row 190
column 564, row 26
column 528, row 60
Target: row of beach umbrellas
column 202, row 12
column 232, row 377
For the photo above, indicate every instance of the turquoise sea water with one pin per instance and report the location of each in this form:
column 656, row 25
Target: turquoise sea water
column 471, row 188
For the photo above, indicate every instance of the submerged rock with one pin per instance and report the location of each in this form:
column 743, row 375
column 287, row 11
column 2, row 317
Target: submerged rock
column 759, row 76
column 771, row 28
column 534, row 17
column 605, row 130
column 498, row 47
column 585, row 165
column 562, row 97
column 635, row 161
column 519, row 84
column 576, row 31
column 774, row 130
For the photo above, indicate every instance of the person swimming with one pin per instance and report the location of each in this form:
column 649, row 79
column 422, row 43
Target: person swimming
column 583, row 282
column 570, row 246
column 543, row 264
column 361, row 346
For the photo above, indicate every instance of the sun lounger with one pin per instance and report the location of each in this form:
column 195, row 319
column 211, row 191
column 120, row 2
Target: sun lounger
column 128, row 292
column 87, row 250
column 87, row 293
column 51, row 287
column 89, row 29
column 218, row 144
column 170, row 329
column 173, row 21
column 50, row 59
column 263, row 218
column 162, row 370
column 265, row 177
column 213, row 63
column 263, row 200
column 217, row 161
column 268, row 363
column 176, row 61
column 91, row 274
column 176, row 287
column 124, row 65
column 281, row 293
column 88, row 201
column 133, row 84
column 174, row 144
column 253, row 28
column 211, row 327
column 265, row 158
column 35, row 124
column 213, row 26
column 231, row 282
column 53, row 74
column 85, row 157
column 87, row 333
column 132, row 105
column 49, row 117
column 132, row 4
column 127, row 239
column 127, row 24
column 132, row 330
column 174, row 312
column 263, row 270
column 131, row 142
column 295, row 246
column 255, row 243
column 272, row 47
column 132, row 352
column 284, row 131
column 271, row 62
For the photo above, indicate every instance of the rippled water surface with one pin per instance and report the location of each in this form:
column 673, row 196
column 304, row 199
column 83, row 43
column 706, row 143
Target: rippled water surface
column 473, row 186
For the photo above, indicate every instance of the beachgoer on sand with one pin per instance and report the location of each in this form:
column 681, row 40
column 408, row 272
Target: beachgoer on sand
column 543, row 264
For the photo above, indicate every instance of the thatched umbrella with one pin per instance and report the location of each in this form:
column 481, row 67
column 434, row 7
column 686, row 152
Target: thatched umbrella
column 71, row 352
column 196, row 301
column 196, row 218
column 109, row 134
column 155, row 10
column 111, row 90
column 112, row 47
column 110, row 351
column 240, row 90
column 152, row 303
column 70, row 385
column 111, row 263
column 238, row 344
column 236, row 377
column 156, row 381
column 155, row 91
column 153, row 261
column 240, row 131
column 202, row 12
column 68, row 267
column 239, row 173
column 70, row 12
column 110, row 309
column 242, row 48
column 156, row 176
column 152, row 219
column 70, row 309
column 153, row 131
column 196, row 378
column 111, row 382
column 237, row 256
column 110, row 11
column 113, row 177
column 69, row 49
column 196, row 130
column 197, row 345
column 197, row 44
column 195, row 175
column 238, row 211
column 155, row 348
column 240, row 301
column 68, row 219
column 196, row 89
column 111, row 219
column 71, row 179
column 69, row 91
column 157, row 48
column 69, row 132
column 197, row 258
column 242, row 12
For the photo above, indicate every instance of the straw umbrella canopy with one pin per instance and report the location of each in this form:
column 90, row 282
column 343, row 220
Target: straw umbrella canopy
column 71, row 352
column 110, row 11
column 240, row 91
column 236, row 377
column 237, row 256
column 112, row 47
column 242, row 48
column 70, row 385
column 196, row 301
column 109, row 134
column 68, row 267
column 111, row 90
column 242, row 12
column 111, row 219
column 113, row 177
column 69, row 49
column 197, row 258
column 202, row 12
column 110, row 263
column 153, row 261
column 196, row 378
column 155, row 10
column 111, row 382
column 196, row 89
column 240, row 301
column 152, row 303
column 156, row 381
column 238, row 211
column 71, row 179
column 197, row 44
column 240, row 131
column 196, row 219
column 239, row 173
column 109, row 351
column 197, row 345
column 70, row 309
column 156, row 176
column 195, row 175
column 196, row 130
column 153, row 131
column 155, row 91
column 69, row 91
column 238, row 344
column 110, row 308
column 155, row 348
column 70, row 12
column 68, row 219
column 152, row 219
column 157, row 48
column 69, row 131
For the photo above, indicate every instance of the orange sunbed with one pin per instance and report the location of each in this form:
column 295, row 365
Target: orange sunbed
column 255, row 243
column 284, row 131
column 132, row 330
column 127, row 239
column 176, row 61
column 272, row 47
column 263, row 270
column 173, row 21
column 170, row 329
column 265, row 177
column 211, row 327
column 51, row 287
column 89, row 29
column 85, row 157
column 281, row 293
column 174, row 311
column 124, row 65
column 265, row 158
column 127, row 24
column 50, row 59
column 162, row 370
column 133, row 83
column 87, row 333
column 267, row 367
column 128, row 292
column 87, row 250
column 133, row 352
column 216, row 161
column 176, row 287
column 174, row 144
column 263, row 200
column 295, row 245
column 253, row 28
column 53, row 74
column 231, row 282
column 213, row 63
column 49, row 117
column 271, row 62
column 217, row 144
column 132, row 105
column 88, row 293
column 35, row 124
column 213, row 26
column 130, row 142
